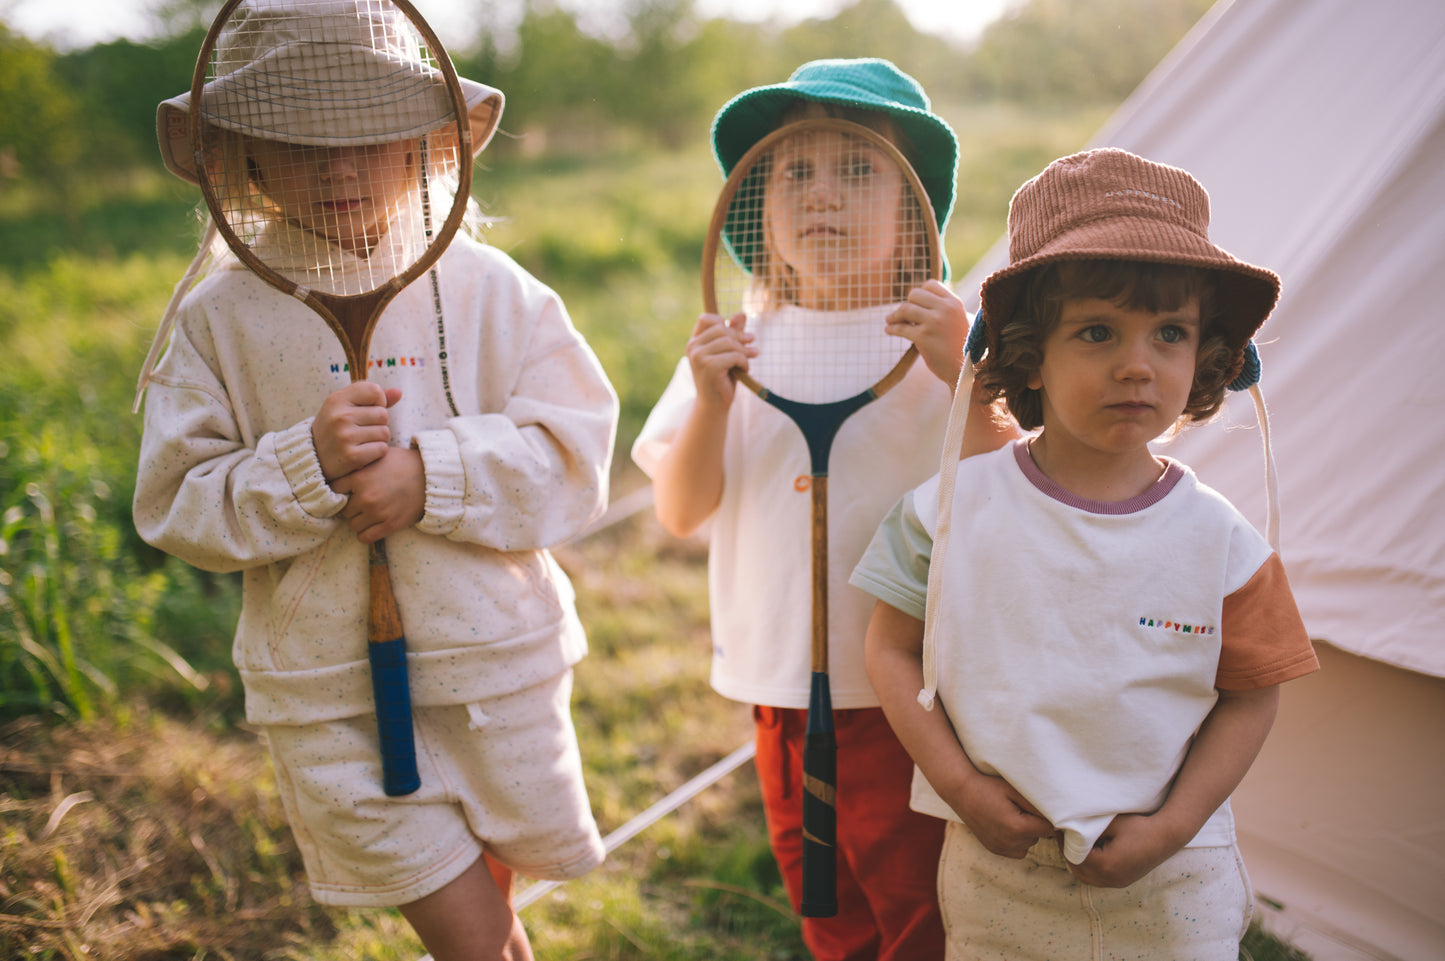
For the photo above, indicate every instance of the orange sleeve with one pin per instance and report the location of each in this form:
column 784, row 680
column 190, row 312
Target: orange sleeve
column 1264, row 639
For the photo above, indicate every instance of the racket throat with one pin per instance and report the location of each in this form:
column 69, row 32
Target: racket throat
column 353, row 322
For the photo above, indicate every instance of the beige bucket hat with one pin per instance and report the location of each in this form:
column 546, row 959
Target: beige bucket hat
column 285, row 70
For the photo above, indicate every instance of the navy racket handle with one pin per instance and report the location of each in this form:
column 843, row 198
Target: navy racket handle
column 820, row 812
column 390, row 688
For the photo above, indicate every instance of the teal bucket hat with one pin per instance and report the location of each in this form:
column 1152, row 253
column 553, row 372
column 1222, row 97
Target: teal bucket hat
column 868, row 84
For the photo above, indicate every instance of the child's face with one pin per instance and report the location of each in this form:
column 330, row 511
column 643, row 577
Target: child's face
column 1114, row 378
column 832, row 205
column 347, row 195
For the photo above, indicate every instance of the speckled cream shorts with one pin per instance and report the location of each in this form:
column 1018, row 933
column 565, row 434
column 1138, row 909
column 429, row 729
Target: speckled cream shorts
column 503, row 776
column 1193, row 907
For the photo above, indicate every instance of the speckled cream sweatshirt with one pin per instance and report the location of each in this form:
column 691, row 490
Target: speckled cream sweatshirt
column 229, row 481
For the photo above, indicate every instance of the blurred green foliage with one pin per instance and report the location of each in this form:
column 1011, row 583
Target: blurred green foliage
column 83, row 115
column 85, row 607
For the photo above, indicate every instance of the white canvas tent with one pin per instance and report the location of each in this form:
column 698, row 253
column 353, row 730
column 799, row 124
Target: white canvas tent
column 1318, row 127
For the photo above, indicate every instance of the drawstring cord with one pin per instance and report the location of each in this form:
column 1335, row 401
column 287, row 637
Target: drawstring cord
column 205, row 256
column 436, row 292
column 947, row 475
column 1271, row 476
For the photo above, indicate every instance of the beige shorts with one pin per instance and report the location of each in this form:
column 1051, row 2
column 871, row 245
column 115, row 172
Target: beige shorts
column 1193, row 907
column 503, row 776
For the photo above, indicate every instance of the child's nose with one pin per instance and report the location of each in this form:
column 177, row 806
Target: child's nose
column 339, row 163
column 1135, row 360
column 823, row 191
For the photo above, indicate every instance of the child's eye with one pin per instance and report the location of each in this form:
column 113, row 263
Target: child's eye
column 797, row 171
column 1173, row 334
column 1094, row 334
column 859, row 167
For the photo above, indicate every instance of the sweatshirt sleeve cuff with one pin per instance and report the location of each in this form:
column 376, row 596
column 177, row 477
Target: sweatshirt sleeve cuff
column 296, row 454
column 446, row 481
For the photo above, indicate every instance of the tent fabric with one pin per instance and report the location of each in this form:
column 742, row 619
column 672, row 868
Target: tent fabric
column 1339, row 819
column 1318, row 128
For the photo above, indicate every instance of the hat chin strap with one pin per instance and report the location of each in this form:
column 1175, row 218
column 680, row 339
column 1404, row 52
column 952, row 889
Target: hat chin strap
column 203, row 259
column 947, row 476
column 1271, row 477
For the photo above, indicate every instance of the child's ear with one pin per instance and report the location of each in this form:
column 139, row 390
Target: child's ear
column 1036, row 381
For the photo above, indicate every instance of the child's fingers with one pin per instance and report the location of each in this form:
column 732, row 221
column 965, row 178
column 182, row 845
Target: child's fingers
column 384, row 496
column 720, row 344
column 930, row 305
column 364, row 393
column 352, row 428
column 713, row 329
column 1022, row 803
column 934, row 321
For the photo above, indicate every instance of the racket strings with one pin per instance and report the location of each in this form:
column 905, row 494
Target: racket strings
column 823, row 237
column 323, row 147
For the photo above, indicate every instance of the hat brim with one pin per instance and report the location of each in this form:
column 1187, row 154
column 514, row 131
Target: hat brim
column 1246, row 293
column 484, row 106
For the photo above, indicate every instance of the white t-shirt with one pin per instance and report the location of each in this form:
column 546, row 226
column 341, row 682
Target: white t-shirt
column 759, row 568
column 1080, row 643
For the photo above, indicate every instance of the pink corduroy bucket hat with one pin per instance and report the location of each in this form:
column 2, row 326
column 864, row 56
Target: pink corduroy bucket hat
column 1108, row 204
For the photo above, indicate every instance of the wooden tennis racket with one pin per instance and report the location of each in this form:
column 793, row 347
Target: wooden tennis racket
column 319, row 162
column 820, row 231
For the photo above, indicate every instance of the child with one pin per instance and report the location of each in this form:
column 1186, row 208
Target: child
column 483, row 438
column 716, row 452
column 1109, row 635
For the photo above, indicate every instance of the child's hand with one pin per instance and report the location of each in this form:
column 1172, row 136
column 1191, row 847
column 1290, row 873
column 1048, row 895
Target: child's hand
column 1000, row 817
column 1130, row 847
column 714, row 349
column 350, row 431
column 934, row 320
column 386, row 495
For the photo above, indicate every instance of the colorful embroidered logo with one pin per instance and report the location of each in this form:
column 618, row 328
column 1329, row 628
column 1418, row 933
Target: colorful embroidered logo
column 383, row 362
column 1179, row 627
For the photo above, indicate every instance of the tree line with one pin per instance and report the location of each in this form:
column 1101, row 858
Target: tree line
column 70, row 115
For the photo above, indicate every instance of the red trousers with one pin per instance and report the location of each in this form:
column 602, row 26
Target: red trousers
column 887, row 854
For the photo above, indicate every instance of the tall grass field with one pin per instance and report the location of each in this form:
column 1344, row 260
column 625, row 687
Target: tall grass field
column 139, row 819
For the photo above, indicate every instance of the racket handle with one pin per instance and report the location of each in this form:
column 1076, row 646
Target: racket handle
column 820, row 813
column 392, row 693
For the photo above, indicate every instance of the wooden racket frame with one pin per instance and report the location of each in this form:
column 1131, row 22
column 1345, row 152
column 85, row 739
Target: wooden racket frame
column 353, row 318
column 819, row 770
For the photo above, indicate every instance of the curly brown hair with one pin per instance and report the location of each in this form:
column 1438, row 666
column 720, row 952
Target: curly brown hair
column 1137, row 285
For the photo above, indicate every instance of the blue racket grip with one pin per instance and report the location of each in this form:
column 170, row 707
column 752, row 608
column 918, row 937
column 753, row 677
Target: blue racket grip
column 393, row 717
